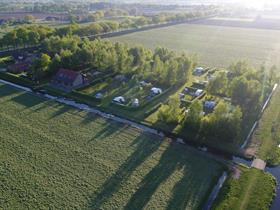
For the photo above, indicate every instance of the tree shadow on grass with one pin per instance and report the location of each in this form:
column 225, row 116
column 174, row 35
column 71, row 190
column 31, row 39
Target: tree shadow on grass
column 185, row 192
column 25, row 100
column 89, row 118
column 144, row 148
column 62, row 109
column 44, row 105
column 159, row 174
column 6, row 90
column 110, row 129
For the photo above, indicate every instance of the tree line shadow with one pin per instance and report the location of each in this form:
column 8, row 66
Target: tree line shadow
column 5, row 90
column 185, row 192
column 110, row 129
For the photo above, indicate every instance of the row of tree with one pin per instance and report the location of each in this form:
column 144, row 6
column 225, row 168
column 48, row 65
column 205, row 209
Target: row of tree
column 161, row 66
column 33, row 34
column 28, row 35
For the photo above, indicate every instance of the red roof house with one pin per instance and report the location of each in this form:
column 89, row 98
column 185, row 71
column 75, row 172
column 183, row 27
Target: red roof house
column 68, row 79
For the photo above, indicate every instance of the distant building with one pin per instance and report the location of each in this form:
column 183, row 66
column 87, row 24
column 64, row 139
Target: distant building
column 68, row 79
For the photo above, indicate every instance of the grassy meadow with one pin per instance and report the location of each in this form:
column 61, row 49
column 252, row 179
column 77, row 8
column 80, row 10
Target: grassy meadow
column 252, row 189
column 55, row 157
column 267, row 135
column 216, row 46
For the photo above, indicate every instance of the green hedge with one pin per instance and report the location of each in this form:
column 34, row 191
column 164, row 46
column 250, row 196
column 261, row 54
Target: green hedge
column 83, row 97
column 94, row 82
column 16, row 79
column 188, row 102
column 153, row 109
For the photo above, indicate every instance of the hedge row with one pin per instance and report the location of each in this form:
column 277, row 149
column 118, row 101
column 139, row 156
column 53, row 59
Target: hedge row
column 16, row 79
column 94, row 82
column 82, row 97
column 188, row 102
column 153, row 109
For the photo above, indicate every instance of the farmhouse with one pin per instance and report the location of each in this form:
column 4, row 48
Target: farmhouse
column 68, row 79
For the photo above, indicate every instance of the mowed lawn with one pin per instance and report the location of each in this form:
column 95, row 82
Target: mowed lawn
column 252, row 190
column 216, row 46
column 56, row 157
column 267, row 135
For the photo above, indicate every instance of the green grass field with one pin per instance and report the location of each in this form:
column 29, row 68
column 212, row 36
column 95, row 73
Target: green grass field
column 267, row 135
column 55, row 157
column 254, row 189
column 216, row 46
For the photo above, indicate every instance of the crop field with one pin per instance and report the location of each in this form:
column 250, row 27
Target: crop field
column 56, row 157
column 216, row 46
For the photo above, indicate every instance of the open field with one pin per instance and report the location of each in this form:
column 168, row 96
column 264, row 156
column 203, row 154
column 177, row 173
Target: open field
column 267, row 135
column 252, row 189
column 216, row 46
column 265, row 22
column 56, row 157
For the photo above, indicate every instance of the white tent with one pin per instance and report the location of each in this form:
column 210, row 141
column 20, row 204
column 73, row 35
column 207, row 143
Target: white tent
column 198, row 92
column 119, row 99
column 156, row 90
